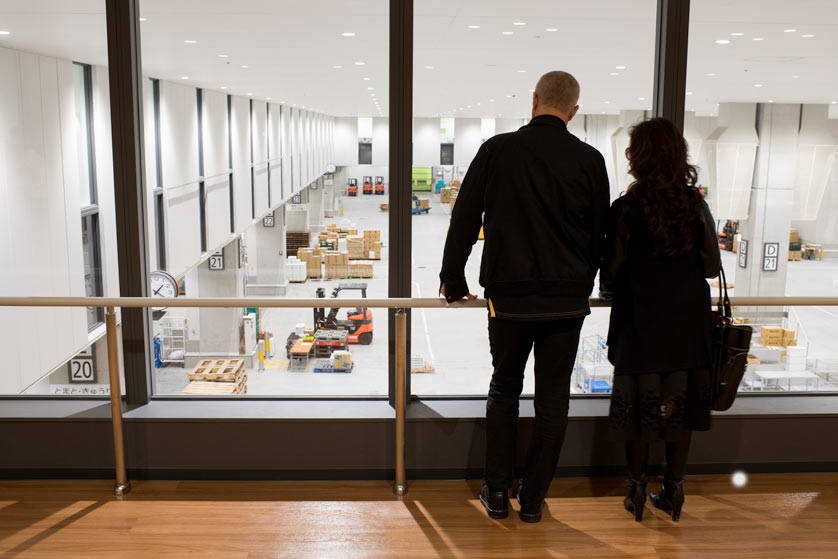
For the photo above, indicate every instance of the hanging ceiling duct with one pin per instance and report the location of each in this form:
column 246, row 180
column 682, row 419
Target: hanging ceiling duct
column 731, row 154
column 816, row 147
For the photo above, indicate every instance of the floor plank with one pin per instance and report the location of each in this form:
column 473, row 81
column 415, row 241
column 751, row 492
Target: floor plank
column 774, row 516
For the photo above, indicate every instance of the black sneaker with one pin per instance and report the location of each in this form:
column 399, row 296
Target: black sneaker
column 529, row 512
column 496, row 503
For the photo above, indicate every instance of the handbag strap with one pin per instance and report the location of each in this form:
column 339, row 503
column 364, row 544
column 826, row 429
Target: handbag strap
column 723, row 305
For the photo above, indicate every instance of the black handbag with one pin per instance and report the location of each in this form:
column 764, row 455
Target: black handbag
column 731, row 343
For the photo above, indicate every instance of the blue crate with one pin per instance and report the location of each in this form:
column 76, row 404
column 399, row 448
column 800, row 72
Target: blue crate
column 328, row 366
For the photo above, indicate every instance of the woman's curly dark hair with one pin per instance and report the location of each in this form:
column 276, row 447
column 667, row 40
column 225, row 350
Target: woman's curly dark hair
column 664, row 186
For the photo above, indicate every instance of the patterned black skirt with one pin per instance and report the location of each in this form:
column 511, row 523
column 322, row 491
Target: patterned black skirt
column 659, row 406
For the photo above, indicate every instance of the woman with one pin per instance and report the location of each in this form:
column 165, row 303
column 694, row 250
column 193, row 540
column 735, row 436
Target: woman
column 661, row 245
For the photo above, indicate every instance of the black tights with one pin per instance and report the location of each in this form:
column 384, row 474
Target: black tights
column 637, row 457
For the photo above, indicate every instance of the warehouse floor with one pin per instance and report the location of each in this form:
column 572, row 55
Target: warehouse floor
column 454, row 341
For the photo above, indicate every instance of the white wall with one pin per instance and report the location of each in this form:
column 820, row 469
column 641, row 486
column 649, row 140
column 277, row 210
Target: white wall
column 346, row 141
column 468, row 136
column 380, row 142
column 259, row 130
column 275, row 153
column 240, row 134
column 426, row 141
column 216, row 167
column 40, row 228
column 285, row 140
column 179, row 162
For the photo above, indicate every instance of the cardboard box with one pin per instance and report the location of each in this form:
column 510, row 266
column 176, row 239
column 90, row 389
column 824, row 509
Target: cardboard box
column 360, row 269
column 794, row 236
column 342, row 359
column 424, row 203
column 789, row 334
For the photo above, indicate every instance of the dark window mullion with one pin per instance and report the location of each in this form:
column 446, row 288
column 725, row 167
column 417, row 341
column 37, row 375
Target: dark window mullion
column 202, row 195
column 252, row 174
column 159, row 206
column 230, row 162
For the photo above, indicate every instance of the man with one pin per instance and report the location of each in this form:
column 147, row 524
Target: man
column 542, row 198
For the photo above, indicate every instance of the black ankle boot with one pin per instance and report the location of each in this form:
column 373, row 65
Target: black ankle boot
column 671, row 497
column 636, row 498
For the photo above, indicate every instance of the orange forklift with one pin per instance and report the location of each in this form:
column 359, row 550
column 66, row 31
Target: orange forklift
column 358, row 323
column 379, row 185
column 352, row 187
column 367, row 185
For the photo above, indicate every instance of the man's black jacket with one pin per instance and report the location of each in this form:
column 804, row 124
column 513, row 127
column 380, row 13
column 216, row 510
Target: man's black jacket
column 542, row 198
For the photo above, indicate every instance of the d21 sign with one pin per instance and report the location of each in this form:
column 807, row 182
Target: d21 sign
column 743, row 253
column 770, row 257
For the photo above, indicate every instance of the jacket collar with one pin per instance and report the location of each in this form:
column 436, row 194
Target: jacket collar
column 550, row 120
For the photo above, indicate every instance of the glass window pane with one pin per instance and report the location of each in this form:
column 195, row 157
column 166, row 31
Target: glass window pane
column 51, row 242
column 475, row 71
column 263, row 109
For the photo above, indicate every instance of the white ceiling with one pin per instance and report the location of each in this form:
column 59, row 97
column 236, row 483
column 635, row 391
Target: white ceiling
column 290, row 48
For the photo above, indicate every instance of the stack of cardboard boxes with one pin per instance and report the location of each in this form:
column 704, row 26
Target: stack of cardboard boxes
column 342, row 360
column 297, row 270
column 337, row 265
column 360, row 268
column 795, row 358
column 328, row 239
column 777, row 336
column 795, row 247
column 372, row 244
column 453, row 197
column 313, row 257
column 355, row 247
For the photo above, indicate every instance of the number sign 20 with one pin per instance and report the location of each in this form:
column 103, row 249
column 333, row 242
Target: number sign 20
column 82, row 369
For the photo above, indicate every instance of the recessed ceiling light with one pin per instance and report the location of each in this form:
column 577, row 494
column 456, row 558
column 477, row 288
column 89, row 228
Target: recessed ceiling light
column 518, row 23
column 223, row 56
column 244, row 66
column 615, row 73
column 283, row 102
column 366, row 79
column 190, row 41
column 737, row 34
column 621, row 67
column 184, row 77
column 250, row 94
column 531, row 91
column 758, row 39
column 710, row 75
column 370, row 88
column 347, row 34
column 223, row 87
column 268, row 98
column 509, row 97
column 506, row 32
column 551, row 29
column 522, row 71
column 143, row 19
column 795, row 77
column 360, row 63
column 474, row 27
column 294, row 105
column 789, row 30
column 491, row 100
column 608, row 102
column 722, row 42
column 429, row 67
column 757, row 85
column 771, row 100
column 337, row 67
column 689, row 93
column 643, row 98
column 835, row 102
column 807, row 36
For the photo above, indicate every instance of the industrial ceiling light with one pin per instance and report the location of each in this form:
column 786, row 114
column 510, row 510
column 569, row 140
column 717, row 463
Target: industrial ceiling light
column 5, row 32
column 143, row 19
column 522, row 71
column 347, row 34
column 366, row 79
column 551, row 29
column 370, row 88
column 474, row 27
column 184, row 77
column 807, row 36
column 789, row 30
column 506, row 32
column 223, row 87
column 758, row 39
column 710, row 75
column 338, row 67
column 359, row 63
column 190, row 41
column 429, row 67
column 736, row 34
column 621, row 67
column 614, row 74
column 223, row 56
column 722, row 42
column 688, row 93
column 518, row 23
column 643, row 98
column 249, row 94
column 757, row 85
column 244, row 66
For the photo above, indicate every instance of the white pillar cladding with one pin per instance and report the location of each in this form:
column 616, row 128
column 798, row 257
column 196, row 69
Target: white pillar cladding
column 426, row 142
column 576, row 126
column 315, row 206
column 619, row 143
column 380, row 142
column 816, row 147
column 467, row 140
column 219, row 329
column 769, row 218
column 693, row 136
column 266, row 258
column 599, row 129
column 731, row 152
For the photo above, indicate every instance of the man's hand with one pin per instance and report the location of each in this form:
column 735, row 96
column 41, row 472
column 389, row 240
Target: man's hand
column 469, row 297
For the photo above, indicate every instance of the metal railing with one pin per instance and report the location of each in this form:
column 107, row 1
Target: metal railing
column 123, row 485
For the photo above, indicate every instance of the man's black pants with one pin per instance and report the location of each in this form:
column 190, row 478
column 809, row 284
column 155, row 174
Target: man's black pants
column 511, row 341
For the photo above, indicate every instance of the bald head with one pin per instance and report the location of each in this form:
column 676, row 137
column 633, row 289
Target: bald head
column 556, row 93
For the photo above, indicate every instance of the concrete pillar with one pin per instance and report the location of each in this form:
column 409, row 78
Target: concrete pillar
column 316, row 206
column 619, row 143
column 598, row 131
column 266, row 258
column 218, row 330
column 769, row 214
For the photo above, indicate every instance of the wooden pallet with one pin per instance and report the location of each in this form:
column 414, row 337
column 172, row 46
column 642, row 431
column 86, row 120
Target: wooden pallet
column 218, row 370
column 210, row 388
column 293, row 241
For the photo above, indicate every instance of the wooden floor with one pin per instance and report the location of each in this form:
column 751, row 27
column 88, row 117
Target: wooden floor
column 774, row 516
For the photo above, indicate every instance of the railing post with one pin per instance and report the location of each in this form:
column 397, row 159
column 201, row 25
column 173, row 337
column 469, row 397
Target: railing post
column 400, row 484
column 122, row 485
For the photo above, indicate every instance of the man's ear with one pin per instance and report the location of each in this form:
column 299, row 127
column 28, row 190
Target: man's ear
column 534, row 101
column 573, row 112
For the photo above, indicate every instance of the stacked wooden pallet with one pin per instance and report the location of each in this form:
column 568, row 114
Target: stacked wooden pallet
column 360, row 268
column 355, row 247
column 296, row 240
column 217, row 376
column 372, row 244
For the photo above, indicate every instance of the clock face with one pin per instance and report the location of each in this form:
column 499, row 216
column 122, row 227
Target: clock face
column 163, row 285
column 331, row 168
